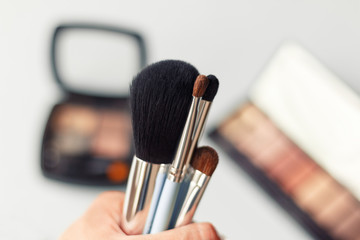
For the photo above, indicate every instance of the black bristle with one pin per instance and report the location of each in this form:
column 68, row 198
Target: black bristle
column 160, row 98
column 212, row 88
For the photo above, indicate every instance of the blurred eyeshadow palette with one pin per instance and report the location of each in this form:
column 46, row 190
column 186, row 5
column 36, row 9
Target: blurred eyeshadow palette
column 88, row 136
column 298, row 136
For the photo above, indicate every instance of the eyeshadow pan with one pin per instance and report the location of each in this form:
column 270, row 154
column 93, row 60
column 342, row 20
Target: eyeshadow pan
column 334, row 214
column 112, row 136
column 77, row 118
column 117, row 171
column 316, row 180
column 239, row 129
column 269, row 158
column 250, row 132
column 252, row 115
column 262, row 138
column 321, row 195
column 350, row 228
column 70, row 142
column 233, row 128
column 323, row 198
column 292, row 169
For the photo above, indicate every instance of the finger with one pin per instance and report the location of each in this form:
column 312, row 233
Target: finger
column 105, row 212
column 199, row 231
column 100, row 220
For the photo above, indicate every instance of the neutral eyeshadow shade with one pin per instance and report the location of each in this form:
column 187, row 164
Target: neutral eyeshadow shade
column 324, row 197
column 252, row 115
column 249, row 131
column 315, row 182
column 239, row 128
column 79, row 129
column 70, row 142
column 112, row 136
column 232, row 129
column 350, row 228
column 262, row 138
column 335, row 213
column 291, row 170
column 280, row 148
column 77, row 118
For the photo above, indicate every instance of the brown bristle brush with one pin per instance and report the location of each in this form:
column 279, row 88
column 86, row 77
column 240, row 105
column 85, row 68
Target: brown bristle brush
column 204, row 163
column 205, row 160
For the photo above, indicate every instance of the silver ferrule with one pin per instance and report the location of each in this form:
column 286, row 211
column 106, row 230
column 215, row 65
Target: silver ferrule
column 180, row 163
column 204, row 108
column 193, row 196
column 201, row 108
column 139, row 191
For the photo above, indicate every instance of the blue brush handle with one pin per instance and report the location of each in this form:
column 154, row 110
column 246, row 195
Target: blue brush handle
column 159, row 183
column 180, row 201
column 166, row 206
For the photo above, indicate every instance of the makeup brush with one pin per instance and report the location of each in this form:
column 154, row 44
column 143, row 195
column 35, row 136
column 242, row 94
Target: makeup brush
column 212, row 89
column 160, row 98
column 204, row 163
column 204, row 108
column 181, row 160
column 178, row 167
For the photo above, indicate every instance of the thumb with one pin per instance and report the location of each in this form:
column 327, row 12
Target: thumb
column 198, row 231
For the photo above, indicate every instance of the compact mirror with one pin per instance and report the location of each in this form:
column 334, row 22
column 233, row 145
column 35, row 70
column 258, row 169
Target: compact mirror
column 96, row 60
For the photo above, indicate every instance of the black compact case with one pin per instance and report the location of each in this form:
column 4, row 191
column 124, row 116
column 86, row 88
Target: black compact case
column 88, row 135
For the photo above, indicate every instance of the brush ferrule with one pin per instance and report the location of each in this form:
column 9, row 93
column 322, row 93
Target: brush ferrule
column 175, row 174
column 181, row 160
column 204, row 108
column 199, row 178
column 195, row 191
column 201, row 120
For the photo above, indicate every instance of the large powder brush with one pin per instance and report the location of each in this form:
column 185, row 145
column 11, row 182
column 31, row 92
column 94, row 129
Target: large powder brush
column 160, row 97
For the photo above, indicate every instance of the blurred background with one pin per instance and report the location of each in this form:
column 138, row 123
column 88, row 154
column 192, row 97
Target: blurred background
column 231, row 39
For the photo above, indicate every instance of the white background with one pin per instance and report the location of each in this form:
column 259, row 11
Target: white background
column 231, row 39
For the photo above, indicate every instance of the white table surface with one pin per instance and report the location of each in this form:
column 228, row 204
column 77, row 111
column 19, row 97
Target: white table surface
column 231, row 39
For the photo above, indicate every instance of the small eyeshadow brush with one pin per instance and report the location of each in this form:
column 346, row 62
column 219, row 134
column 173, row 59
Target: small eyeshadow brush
column 204, row 108
column 204, row 163
column 160, row 98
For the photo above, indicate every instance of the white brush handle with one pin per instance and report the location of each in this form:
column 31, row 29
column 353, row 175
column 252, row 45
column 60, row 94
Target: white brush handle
column 165, row 206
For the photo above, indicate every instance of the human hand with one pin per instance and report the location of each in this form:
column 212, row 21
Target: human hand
column 103, row 219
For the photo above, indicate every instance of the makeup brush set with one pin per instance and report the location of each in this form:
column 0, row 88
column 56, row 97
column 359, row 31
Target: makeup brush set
column 170, row 102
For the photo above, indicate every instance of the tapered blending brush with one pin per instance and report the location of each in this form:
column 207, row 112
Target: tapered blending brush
column 177, row 170
column 204, row 162
column 160, row 98
column 204, row 108
column 181, row 160
column 212, row 89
